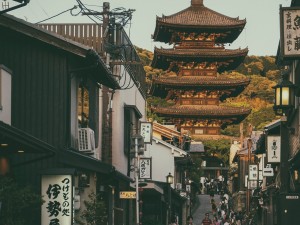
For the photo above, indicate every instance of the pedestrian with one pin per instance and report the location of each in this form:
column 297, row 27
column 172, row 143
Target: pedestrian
column 212, row 193
column 190, row 220
column 206, row 220
column 227, row 222
column 215, row 221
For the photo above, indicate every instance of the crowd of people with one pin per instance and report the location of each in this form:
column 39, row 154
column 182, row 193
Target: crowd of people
column 222, row 213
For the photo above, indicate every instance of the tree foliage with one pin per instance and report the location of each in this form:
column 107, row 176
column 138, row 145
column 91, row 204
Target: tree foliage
column 19, row 204
column 95, row 212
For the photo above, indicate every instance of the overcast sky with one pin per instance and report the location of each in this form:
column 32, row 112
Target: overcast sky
column 261, row 34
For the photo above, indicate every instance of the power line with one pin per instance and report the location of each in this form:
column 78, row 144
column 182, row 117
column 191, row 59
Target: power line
column 74, row 7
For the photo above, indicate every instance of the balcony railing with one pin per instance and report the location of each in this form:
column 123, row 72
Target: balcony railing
column 92, row 35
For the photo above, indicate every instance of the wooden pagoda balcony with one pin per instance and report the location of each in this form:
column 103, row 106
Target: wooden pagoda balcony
column 91, row 35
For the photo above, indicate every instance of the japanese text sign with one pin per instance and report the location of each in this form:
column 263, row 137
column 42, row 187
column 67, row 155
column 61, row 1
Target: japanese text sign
column 146, row 132
column 127, row 194
column 57, row 191
column 290, row 31
column 253, row 172
column 273, row 149
column 145, row 168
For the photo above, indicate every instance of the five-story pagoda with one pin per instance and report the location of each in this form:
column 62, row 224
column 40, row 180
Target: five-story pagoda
column 195, row 64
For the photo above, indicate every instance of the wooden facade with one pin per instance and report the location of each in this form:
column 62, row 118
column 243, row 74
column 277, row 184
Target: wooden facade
column 47, row 72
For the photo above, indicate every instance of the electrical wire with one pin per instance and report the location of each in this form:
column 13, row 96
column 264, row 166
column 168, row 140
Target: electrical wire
column 74, row 7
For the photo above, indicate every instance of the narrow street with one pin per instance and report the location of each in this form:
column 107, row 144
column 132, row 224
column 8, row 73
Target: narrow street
column 204, row 206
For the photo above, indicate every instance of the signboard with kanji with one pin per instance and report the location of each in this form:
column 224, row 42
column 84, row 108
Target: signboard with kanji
column 57, row 192
column 290, row 31
column 253, row 172
column 146, row 132
column 273, row 149
column 145, row 165
column 127, row 194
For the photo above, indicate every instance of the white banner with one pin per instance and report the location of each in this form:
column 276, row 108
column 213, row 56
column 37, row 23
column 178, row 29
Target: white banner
column 145, row 168
column 57, row 192
column 273, row 149
column 146, row 132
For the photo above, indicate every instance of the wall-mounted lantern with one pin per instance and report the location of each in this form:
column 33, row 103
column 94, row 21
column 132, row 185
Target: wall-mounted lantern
column 284, row 94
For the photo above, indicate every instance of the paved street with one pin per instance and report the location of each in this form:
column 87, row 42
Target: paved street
column 204, row 207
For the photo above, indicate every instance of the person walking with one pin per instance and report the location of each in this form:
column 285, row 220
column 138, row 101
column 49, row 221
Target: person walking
column 215, row 221
column 206, row 220
column 190, row 220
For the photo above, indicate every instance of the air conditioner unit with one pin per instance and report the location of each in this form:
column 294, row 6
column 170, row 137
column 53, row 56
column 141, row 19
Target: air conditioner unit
column 178, row 186
column 86, row 140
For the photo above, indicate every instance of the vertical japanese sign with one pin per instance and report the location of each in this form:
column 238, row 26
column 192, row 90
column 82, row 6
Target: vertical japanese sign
column 290, row 31
column 253, row 172
column 57, row 191
column 146, row 132
column 145, row 168
column 273, row 149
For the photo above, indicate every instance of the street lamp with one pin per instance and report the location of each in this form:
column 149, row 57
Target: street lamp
column 284, row 103
column 284, row 94
column 170, row 180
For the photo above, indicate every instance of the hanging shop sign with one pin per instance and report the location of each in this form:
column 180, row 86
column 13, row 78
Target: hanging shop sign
column 58, row 199
column 290, row 31
column 146, row 132
column 268, row 171
column 145, row 168
column 127, row 194
column 273, row 149
column 253, row 172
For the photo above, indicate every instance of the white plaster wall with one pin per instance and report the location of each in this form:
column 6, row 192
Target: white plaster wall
column 162, row 155
column 131, row 96
column 5, row 81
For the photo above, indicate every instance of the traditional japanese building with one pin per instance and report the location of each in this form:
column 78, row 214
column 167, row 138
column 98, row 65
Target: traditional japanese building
column 194, row 80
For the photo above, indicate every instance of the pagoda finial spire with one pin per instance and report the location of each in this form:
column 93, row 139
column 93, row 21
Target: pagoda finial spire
column 197, row 2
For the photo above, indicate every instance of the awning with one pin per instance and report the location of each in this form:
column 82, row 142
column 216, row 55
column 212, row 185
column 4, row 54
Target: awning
column 78, row 160
column 13, row 140
column 273, row 128
column 14, row 143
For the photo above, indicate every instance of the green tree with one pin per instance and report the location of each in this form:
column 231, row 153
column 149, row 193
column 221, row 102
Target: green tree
column 19, row 204
column 95, row 212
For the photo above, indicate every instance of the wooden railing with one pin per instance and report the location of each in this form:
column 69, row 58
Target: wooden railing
column 86, row 34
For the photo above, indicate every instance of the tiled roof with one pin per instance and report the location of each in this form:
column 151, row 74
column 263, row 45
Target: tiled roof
column 201, row 52
column 223, row 81
column 233, row 57
column 208, row 111
column 198, row 18
column 201, row 16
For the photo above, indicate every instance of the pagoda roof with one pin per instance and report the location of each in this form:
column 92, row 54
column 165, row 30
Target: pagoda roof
column 198, row 18
column 161, row 85
column 236, row 114
column 232, row 57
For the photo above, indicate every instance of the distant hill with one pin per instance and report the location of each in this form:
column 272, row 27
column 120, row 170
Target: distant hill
column 259, row 95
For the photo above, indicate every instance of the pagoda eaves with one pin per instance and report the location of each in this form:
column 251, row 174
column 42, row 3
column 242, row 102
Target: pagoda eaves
column 198, row 18
column 237, row 114
column 230, row 58
column 160, row 86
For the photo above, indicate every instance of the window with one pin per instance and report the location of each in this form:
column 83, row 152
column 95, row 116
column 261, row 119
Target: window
column 83, row 106
column 5, row 94
column 88, row 106
column 131, row 125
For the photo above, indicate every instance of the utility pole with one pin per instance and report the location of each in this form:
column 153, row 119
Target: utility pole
column 249, row 146
column 136, row 158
